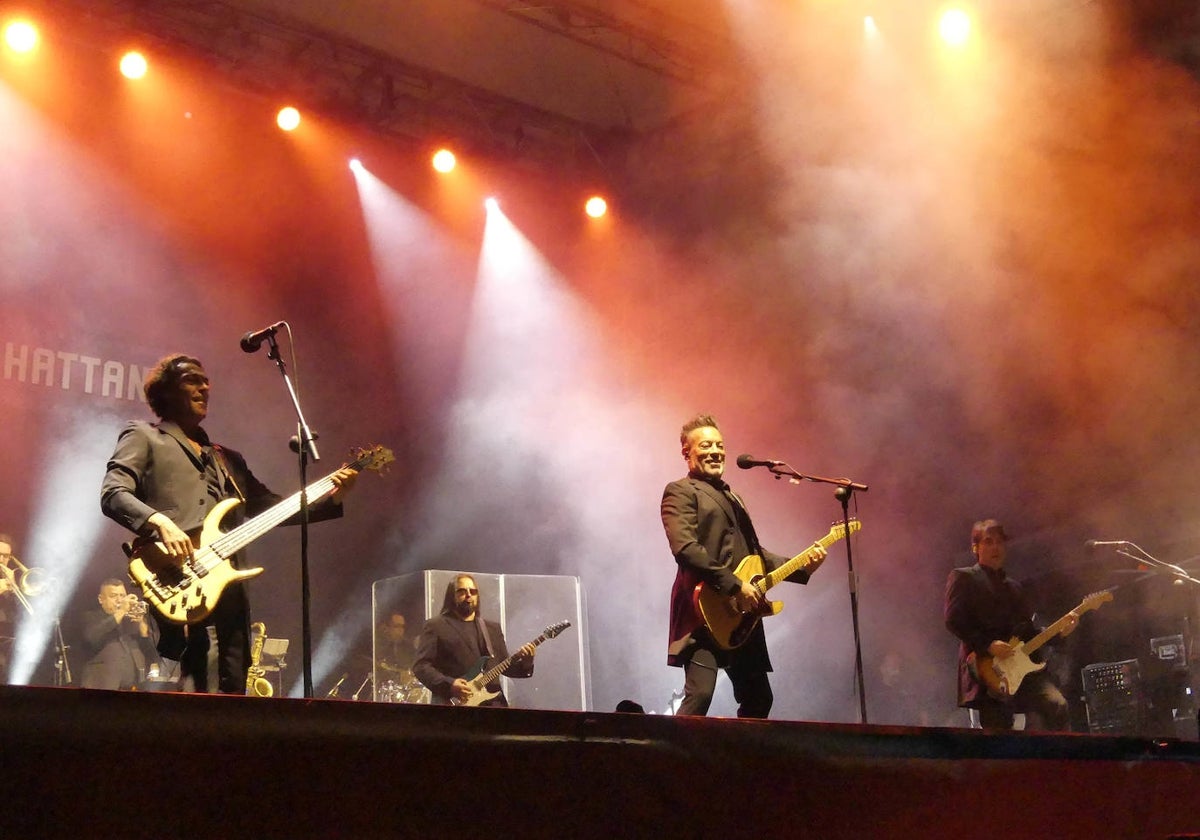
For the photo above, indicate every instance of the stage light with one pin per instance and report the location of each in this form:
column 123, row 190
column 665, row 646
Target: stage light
column 21, row 36
column 444, row 161
column 288, row 118
column 491, row 203
column 870, row 28
column 955, row 27
column 133, row 65
column 356, row 165
column 596, row 207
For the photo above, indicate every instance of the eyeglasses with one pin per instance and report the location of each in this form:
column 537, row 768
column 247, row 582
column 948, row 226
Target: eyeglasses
column 467, row 591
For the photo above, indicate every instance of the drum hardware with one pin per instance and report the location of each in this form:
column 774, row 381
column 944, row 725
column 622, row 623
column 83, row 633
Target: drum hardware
column 408, row 689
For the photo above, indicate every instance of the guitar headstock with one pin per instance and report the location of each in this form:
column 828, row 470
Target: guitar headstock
column 375, row 457
column 1094, row 600
column 838, row 531
column 554, row 629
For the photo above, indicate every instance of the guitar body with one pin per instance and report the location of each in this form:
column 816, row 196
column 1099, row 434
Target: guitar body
column 187, row 593
column 478, row 680
column 478, row 683
column 1002, row 677
column 728, row 626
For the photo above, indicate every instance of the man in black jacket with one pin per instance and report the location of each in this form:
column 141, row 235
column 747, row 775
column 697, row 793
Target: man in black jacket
column 459, row 641
column 984, row 609
column 116, row 641
column 710, row 533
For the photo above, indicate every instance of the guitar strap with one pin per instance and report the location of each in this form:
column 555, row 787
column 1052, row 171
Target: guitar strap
column 487, row 638
column 224, row 472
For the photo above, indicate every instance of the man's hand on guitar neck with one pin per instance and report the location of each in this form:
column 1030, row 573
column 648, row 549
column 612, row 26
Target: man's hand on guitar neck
column 175, row 542
column 816, row 555
column 1070, row 622
column 343, row 482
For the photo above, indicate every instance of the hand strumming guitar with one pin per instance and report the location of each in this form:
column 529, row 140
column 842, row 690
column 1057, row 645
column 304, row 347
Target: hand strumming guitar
column 175, row 542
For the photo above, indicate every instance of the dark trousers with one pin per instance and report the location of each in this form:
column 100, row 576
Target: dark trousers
column 189, row 645
column 1038, row 698
column 751, row 688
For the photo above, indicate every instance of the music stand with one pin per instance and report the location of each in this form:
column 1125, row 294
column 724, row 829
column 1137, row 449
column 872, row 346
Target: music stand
column 275, row 649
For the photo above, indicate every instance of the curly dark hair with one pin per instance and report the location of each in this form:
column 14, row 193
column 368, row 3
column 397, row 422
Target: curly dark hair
column 700, row 421
column 163, row 378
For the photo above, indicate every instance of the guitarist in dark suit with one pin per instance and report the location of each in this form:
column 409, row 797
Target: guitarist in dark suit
column 163, row 479
column 453, row 642
column 710, row 532
column 984, row 609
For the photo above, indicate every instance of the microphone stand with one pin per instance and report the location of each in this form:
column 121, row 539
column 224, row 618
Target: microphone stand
column 63, row 666
column 368, row 678
column 1144, row 557
column 303, row 443
column 845, row 489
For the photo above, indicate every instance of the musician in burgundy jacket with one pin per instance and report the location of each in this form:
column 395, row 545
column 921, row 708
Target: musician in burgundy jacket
column 163, row 479
column 710, row 532
column 984, row 609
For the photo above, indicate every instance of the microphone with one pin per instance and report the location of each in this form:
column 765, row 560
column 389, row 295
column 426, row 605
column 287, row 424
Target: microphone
column 333, row 692
column 251, row 341
column 1095, row 543
column 746, row 462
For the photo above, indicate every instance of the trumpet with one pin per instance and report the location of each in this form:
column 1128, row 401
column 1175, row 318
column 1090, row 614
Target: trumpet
column 137, row 608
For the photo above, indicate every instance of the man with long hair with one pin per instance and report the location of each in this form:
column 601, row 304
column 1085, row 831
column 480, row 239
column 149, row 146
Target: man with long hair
column 458, row 639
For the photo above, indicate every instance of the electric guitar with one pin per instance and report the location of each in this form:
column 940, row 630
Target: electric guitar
column 729, row 626
column 478, row 679
column 187, row 592
column 1002, row 677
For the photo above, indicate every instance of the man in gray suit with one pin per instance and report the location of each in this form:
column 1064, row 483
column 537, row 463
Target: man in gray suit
column 163, row 479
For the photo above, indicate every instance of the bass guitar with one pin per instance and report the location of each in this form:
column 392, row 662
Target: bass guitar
column 729, row 626
column 187, row 592
column 1002, row 676
column 478, row 679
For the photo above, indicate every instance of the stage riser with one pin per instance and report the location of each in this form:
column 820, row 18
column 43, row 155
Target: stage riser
column 90, row 764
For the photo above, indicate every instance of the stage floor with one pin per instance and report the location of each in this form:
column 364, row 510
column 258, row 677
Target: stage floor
column 80, row 763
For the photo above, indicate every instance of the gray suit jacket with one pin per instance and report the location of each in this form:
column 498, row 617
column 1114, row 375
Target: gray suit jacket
column 155, row 468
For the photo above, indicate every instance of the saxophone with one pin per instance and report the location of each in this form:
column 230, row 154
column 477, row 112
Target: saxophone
column 257, row 684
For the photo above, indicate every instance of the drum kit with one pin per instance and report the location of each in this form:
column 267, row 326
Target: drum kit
column 400, row 686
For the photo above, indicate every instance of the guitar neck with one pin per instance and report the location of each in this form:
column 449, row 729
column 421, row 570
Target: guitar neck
column 1055, row 628
column 234, row 541
column 798, row 562
column 497, row 670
